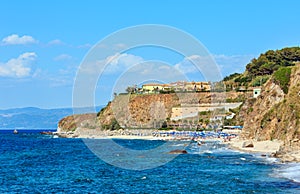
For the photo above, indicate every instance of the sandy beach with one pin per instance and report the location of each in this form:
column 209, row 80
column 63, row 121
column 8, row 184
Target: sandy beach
column 146, row 137
column 264, row 147
column 267, row 148
column 121, row 134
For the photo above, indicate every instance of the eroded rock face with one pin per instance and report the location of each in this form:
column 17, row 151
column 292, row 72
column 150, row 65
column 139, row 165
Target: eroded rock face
column 72, row 122
column 147, row 109
column 254, row 110
column 274, row 114
column 140, row 110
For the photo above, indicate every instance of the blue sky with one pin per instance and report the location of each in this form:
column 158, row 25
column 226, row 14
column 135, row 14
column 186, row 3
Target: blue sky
column 44, row 42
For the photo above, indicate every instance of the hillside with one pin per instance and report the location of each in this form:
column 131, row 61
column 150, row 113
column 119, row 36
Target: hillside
column 35, row 118
column 275, row 114
column 259, row 70
column 32, row 118
column 143, row 111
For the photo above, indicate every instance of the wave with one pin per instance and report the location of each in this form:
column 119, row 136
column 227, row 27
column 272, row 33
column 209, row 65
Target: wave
column 289, row 171
column 180, row 145
column 271, row 160
column 208, row 148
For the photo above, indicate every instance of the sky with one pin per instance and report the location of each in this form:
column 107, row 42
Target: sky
column 44, row 43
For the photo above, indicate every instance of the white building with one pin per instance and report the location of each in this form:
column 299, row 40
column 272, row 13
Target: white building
column 256, row 92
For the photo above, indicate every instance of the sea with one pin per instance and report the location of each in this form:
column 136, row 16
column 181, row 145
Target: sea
column 36, row 163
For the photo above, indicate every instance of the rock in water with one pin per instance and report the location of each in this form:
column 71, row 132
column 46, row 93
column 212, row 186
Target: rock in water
column 248, row 144
column 178, row 152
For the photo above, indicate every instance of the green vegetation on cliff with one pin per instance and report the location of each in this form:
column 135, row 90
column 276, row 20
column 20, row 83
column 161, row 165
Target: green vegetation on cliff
column 269, row 62
column 113, row 125
column 259, row 70
column 282, row 78
column 275, row 114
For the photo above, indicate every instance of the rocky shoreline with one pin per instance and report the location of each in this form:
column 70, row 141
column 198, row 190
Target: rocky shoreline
column 266, row 148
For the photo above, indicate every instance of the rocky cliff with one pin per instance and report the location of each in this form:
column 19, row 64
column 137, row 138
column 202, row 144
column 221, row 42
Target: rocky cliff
column 275, row 113
column 142, row 111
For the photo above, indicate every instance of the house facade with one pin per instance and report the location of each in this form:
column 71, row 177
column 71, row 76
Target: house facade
column 256, row 92
column 152, row 87
column 176, row 86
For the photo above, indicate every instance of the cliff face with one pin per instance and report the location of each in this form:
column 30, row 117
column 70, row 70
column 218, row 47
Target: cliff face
column 72, row 122
column 148, row 110
column 274, row 114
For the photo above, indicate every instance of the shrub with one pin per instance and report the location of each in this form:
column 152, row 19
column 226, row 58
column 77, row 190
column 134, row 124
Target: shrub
column 164, row 124
column 282, row 77
column 250, row 109
column 231, row 76
column 114, row 125
column 260, row 80
column 203, row 113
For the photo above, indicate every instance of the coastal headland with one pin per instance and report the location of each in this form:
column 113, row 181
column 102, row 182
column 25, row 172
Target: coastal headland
column 264, row 100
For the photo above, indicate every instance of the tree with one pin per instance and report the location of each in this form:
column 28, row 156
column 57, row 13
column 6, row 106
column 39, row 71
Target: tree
column 114, row 125
column 130, row 89
column 231, row 76
column 270, row 61
column 164, row 124
column 155, row 89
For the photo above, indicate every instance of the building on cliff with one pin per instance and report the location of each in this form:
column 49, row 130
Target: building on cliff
column 256, row 92
column 192, row 110
column 178, row 86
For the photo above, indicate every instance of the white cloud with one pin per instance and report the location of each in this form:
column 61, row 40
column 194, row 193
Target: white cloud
column 62, row 57
column 18, row 67
column 194, row 67
column 15, row 39
column 56, row 42
column 196, row 64
column 61, row 81
column 113, row 64
column 149, row 71
column 38, row 73
column 233, row 63
column 215, row 66
column 119, row 46
column 185, row 66
column 119, row 62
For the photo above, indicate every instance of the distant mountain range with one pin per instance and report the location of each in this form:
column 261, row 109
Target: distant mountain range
column 36, row 118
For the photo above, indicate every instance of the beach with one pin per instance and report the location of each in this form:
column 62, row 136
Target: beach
column 146, row 134
column 265, row 148
column 118, row 134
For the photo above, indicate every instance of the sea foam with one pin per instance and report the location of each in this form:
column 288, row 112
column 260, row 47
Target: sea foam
column 290, row 171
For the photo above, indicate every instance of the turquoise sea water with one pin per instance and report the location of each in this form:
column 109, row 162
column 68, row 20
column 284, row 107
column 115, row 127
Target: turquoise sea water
column 34, row 163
